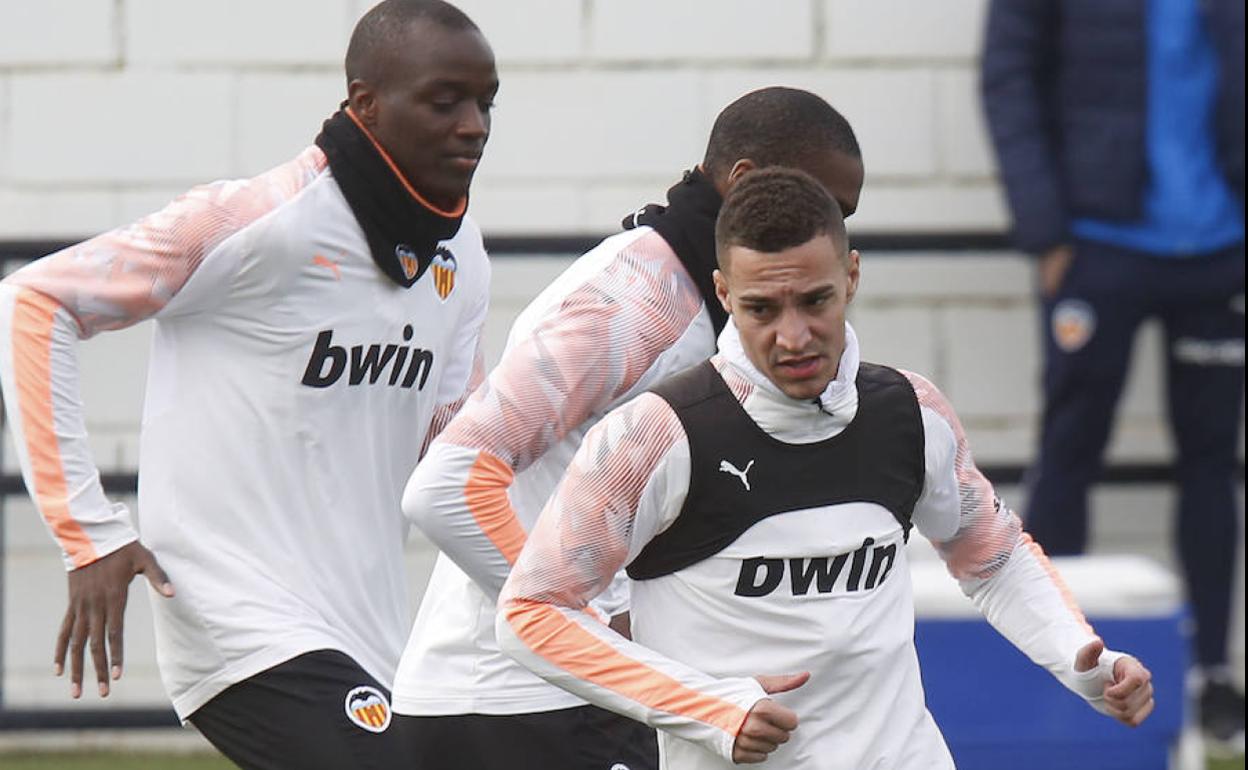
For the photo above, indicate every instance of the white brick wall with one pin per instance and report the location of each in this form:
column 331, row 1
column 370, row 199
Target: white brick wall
column 646, row 31
column 893, row 30
column 109, row 129
column 963, row 148
column 159, row 33
column 4, row 127
column 600, row 101
column 539, row 32
column 892, row 111
column 35, row 212
column 280, row 114
column 58, row 33
column 584, row 127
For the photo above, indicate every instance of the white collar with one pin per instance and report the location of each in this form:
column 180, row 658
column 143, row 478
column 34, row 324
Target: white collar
column 841, row 394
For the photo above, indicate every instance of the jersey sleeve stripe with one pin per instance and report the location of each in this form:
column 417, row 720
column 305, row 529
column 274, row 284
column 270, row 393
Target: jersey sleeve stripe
column 559, row 640
column 1067, row 597
column 33, row 318
column 486, row 497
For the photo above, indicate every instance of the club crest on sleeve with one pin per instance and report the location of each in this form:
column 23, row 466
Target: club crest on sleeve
column 407, row 260
column 443, row 268
column 368, row 708
column 1074, row 323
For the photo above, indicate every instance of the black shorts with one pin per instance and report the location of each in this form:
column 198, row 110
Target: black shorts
column 582, row 738
column 317, row 711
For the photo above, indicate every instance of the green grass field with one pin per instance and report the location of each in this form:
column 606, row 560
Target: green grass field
column 98, row 761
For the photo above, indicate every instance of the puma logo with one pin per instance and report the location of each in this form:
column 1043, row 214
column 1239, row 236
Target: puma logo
column 728, row 467
column 329, row 265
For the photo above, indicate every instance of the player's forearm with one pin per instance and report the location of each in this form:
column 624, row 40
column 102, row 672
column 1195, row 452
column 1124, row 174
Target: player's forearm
column 458, row 498
column 571, row 650
column 1029, row 604
column 39, row 372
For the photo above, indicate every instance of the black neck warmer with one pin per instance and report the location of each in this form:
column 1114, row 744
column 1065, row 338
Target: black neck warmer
column 403, row 230
column 687, row 223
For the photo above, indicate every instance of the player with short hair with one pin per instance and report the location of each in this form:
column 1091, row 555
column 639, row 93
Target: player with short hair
column 315, row 326
column 638, row 307
column 761, row 502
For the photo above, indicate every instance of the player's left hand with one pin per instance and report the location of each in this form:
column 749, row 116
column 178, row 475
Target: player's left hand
column 1127, row 690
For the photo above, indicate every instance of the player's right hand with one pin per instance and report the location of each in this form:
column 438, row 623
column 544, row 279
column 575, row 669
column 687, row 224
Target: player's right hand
column 1054, row 264
column 768, row 725
column 96, row 612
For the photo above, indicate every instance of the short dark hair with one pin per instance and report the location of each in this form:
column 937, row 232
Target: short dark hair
column 777, row 126
column 774, row 209
column 382, row 27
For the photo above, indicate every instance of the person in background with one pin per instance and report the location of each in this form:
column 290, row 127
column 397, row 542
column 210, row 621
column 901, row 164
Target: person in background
column 1119, row 132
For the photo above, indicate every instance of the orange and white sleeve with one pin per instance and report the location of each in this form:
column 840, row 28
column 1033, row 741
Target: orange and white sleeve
column 584, row 354
column 997, row 564
column 108, row 282
column 626, row 484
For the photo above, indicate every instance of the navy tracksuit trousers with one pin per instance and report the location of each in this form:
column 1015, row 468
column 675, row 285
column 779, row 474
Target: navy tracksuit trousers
column 1090, row 326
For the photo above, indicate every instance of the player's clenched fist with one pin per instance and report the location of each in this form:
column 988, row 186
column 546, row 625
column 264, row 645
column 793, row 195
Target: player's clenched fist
column 1125, row 688
column 768, row 725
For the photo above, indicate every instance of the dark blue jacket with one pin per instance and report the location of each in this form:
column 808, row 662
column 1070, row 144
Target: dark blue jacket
column 1065, row 94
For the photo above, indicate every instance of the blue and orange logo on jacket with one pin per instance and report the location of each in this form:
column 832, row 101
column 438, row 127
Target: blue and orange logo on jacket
column 443, row 267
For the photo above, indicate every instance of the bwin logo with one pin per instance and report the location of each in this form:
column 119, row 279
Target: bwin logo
column 411, row 364
column 760, row 576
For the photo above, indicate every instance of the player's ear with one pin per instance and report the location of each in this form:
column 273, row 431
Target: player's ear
column 362, row 99
column 739, row 169
column 721, row 290
column 854, row 265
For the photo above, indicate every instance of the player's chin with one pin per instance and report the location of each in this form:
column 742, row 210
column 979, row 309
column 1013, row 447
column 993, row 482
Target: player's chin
column 452, row 183
column 804, row 389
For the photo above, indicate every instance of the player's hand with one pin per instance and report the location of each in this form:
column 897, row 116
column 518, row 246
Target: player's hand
column 1129, row 694
column 768, row 724
column 97, row 606
column 1054, row 264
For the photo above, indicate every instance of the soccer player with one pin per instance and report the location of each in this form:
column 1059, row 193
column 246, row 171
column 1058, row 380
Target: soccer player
column 315, row 326
column 761, row 502
column 638, row 307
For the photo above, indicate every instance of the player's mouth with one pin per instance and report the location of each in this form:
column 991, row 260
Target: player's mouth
column 799, row 367
column 464, row 163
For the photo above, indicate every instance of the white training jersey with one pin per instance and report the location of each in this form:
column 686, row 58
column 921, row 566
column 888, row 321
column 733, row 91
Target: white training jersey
column 620, row 319
column 291, row 389
column 699, row 640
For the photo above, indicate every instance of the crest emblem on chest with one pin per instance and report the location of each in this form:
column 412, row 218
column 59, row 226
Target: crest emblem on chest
column 443, row 268
column 407, row 260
